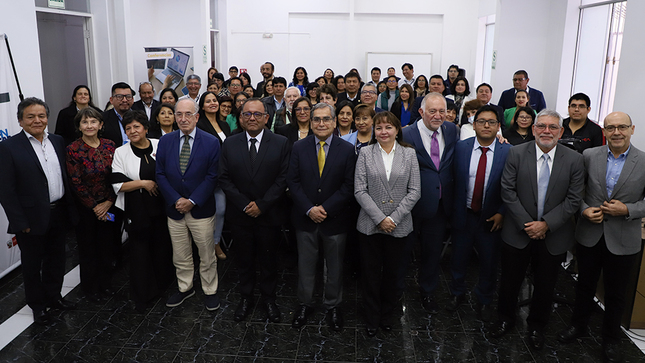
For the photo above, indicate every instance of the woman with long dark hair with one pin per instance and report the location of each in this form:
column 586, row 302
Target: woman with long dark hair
column 401, row 107
column 521, row 130
column 162, row 121
column 81, row 98
column 300, row 80
column 301, row 128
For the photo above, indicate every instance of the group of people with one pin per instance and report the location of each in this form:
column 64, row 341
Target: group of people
column 368, row 171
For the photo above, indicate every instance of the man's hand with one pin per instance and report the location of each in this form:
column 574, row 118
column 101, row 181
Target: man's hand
column 183, row 205
column 502, row 140
column 387, row 225
column 536, row 229
column 318, row 214
column 26, row 230
column 498, row 222
column 614, row 208
column 593, row 214
column 252, row 210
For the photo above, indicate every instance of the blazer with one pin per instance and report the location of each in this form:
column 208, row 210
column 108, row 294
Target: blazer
column 205, row 124
column 563, row 196
column 492, row 194
column 622, row 234
column 24, row 194
column 536, row 99
column 334, row 189
column 200, row 178
column 266, row 184
column 111, row 129
column 380, row 197
column 269, row 105
column 138, row 106
column 290, row 131
column 434, row 183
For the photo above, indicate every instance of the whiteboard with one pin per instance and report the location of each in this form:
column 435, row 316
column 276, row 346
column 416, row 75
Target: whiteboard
column 422, row 63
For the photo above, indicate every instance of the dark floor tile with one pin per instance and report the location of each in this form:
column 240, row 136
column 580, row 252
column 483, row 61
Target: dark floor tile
column 144, row 356
column 270, row 341
column 262, row 360
column 64, row 327
column 109, row 329
column 438, row 346
column 215, row 336
column 26, row 350
column 288, row 284
column 161, row 332
column 319, row 343
column 509, row 348
column 191, row 308
column 393, row 346
column 198, row 357
column 76, row 351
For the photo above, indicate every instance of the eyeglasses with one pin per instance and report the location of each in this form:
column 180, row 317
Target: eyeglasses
column 519, row 79
column 193, row 84
column 226, row 107
column 318, row 120
column 302, row 109
column 492, row 123
column 523, row 117
column 368, row 93
column 235, row 85
column 542, row 127
column 181, row 115
column 391, row 81
column 621, row 128
column 121, row 97
column 433, row 112
column 257, row 115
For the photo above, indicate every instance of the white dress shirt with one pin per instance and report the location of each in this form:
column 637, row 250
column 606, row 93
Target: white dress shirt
column 472, row 171
column 51, row 166
column 191, row 139
column 257, row 144
column 388, row 159
column 538, row 156
column 426, row 137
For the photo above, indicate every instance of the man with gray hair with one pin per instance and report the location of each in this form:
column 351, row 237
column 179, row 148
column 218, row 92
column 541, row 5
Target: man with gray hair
column 187, row 171
column 369, row 95
column 194, row 84
column 284, row 114
column 542, row 187
column 322, row 193
column 147, row 102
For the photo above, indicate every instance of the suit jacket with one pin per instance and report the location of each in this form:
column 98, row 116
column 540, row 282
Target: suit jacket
column 563, row 196
column 492, row 194
column 200, row 178
column 622, row 235
column 380, row 197
column 334, row 189
column 138, row 106
column 433, row 181
column 266, row 184
column 205, row 124
column 269, row 104
column 111, row 129
column 290, row 131
column 343, row 97
column 536, row 99
column 24, row 193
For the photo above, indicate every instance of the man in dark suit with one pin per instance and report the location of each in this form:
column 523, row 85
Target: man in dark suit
column 609, row 231
column 542, row 188
column 122, row 99
column 253, row 174
column 266, row 70
column 187, row 163
column 435, row 85
column 34, row 193
column 277, row 101
column 369, row 95
column 434, row 140
column 478, row 211
column 352, row 88
column 520, row 83
column 484, row 94
column 321, row 181
column 147, row 102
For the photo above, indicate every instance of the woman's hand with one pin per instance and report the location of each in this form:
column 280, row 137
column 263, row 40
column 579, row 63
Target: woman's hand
column 101, row 210
column 150, row 186
column 387, row 225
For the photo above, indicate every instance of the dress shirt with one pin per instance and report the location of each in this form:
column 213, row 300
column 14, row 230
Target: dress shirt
column 257, row 144
column 196, row 99
column 51, row 166
column 191, row 139
column 388, row 159
column 147, row 108
column 472, row 171
column 352, row 98
column 123, row 135
column 614, row 168
column 278, row 105
column 403, row 81
column 326, row 147
column 426, row 137
column 538, row 157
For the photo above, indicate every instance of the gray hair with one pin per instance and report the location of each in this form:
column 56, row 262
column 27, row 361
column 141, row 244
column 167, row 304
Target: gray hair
column 292, row 87
column 148, row 83
column 432, row 95
column 320, row 105
column 194, row 76
column 187, row 99
column 549, row 113
column 369, row 85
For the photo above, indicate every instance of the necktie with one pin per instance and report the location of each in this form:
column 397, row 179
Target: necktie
column 321, row 157
column 184, row 155
column 543, row 184
column 478, row 192
column 253, row 152
column 434, row 150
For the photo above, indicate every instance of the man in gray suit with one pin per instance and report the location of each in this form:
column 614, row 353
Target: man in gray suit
column 542, row 188
column 609, row 231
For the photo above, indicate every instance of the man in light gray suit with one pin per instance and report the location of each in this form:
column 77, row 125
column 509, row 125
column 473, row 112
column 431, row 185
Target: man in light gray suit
column 542, row 188
column 609, row 231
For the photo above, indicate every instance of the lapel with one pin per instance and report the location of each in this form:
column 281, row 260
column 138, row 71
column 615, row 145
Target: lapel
column 244, row 153
column 29, row 150
column 265, row 144
column 377, row 160
column 418, row 143
column 193, row 150
column 397, row 165
column 628, row 168
column 556, row 170
column 465, row 166
column 497, row 167
column 447, row 145
column 532, row 169
column 313, row 157
column 329, row 160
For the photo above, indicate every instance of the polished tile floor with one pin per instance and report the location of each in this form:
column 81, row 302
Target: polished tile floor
column 112, row 331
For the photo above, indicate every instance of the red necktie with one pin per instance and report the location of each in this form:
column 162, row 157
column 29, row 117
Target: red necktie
column 478, row 192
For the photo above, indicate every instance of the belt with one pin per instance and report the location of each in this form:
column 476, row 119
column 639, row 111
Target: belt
column 56, row 204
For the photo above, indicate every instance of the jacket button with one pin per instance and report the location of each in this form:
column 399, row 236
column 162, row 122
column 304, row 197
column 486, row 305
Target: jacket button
column 383, row 202
column 319, row 190
column 391, row 201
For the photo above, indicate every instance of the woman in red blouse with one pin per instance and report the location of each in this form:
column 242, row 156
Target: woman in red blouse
column 98, row 234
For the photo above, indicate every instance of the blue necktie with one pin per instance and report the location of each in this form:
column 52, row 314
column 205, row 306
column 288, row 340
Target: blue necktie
column 543, row 184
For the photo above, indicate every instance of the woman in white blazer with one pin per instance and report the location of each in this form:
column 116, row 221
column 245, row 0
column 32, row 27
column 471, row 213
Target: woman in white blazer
column 387, row 185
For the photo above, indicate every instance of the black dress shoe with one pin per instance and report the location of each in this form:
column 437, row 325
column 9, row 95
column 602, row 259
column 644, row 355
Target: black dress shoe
column 611, row 352
column 500, row 329
column 41, row 317
column 273, row 313
column 300, row 316
column 571, row 333
column 335, row 319
column 430, row 305
column 62, row 304
column 484, row 312
column 455, row 302
column 386, row 327
column 243, row 310
column 536, row 339
column 371, row 332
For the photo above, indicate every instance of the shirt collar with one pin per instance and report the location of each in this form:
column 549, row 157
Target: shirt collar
column 383, row 151
column 490, row 147
column 258, row 137
column 422, row 126
column 539, row 152
column 327, row 141
column 623, row 155
column 30, row 136
column 192, row 133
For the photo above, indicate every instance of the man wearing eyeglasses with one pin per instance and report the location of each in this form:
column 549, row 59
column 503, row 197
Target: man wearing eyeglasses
column 322, row 193
column 194, row 84
column 369, row 97
column 542, row 188
column 253, row 172
column 520, row 83
column 579, row 131
column 608, row 231
column 478, row 212
column 122, row 99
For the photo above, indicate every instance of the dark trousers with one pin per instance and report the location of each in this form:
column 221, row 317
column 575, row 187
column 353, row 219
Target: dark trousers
column 615, row 269
column 544, row 266
column 431, row 236
column 43, row 261
column 261, row 243
column 96, row 248
column 475, row 232
column 151, row 269
column 381, row 257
